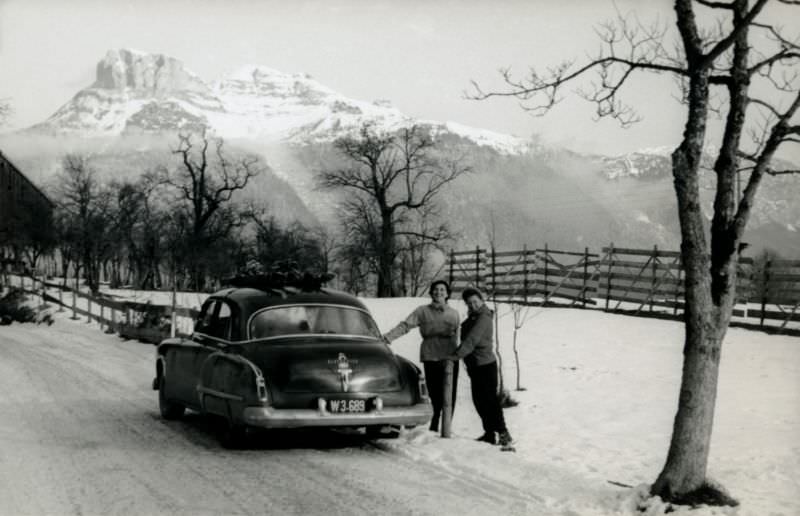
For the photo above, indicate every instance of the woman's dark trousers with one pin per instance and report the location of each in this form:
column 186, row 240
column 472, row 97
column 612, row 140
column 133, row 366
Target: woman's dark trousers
column 434, row 378
column 484, row 395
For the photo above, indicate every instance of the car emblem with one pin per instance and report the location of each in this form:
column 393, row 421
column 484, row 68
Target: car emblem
column 344, row 370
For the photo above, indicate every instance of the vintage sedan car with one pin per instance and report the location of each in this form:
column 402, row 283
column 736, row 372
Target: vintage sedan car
column 288, row 357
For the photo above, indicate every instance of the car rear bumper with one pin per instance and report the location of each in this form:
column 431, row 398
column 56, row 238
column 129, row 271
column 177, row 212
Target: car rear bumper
column 268, row 417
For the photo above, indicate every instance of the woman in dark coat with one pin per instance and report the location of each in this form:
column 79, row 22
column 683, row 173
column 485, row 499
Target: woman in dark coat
column 478, row 353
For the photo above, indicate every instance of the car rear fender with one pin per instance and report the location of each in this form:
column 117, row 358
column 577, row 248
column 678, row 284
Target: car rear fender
column 228, row 383
column 414, row 376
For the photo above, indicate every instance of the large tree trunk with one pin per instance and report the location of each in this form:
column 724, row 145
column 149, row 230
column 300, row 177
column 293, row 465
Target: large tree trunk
column 706, row 316
column 386, row 258
column 710, row 289
column 685, row 468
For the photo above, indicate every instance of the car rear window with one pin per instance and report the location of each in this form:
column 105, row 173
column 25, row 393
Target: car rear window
column 312, row 319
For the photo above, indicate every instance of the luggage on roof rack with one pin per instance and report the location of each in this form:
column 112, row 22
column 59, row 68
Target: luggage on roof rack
column 282, row 276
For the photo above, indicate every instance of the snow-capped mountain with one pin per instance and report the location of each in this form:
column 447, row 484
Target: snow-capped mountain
column 645, row 163
column 522, row 192
column 137, row 93
column 775, row 212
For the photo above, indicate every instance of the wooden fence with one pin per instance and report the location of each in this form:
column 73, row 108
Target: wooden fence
column 638, row 281
column 135, row 320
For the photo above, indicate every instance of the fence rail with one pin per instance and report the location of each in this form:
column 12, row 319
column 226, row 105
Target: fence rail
column 639, row 281
column 130, row 319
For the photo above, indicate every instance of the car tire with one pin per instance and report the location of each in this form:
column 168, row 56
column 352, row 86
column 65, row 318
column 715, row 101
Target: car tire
column 231, row 435
column 169, row 409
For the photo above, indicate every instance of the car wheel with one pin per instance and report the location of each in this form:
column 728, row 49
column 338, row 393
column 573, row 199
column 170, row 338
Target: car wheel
column 231, row 435
column 169, row 409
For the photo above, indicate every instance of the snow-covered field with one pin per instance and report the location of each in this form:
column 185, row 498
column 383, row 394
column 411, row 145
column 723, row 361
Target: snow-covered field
column 601, row 393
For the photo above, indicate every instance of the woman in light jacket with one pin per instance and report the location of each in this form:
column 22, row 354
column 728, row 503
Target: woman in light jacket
column 438, row 325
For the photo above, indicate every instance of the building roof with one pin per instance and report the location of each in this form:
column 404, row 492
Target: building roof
column 5, row 158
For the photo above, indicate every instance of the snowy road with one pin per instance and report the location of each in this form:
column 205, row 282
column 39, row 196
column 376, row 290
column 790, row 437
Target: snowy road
column 80, row 431
column 81, row 434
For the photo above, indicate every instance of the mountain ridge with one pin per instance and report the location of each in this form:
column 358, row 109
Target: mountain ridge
column 139, row 93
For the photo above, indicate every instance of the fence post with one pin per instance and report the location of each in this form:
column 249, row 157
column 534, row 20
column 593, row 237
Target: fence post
column 172, row 320
column 452, row 267
column 546, row 285
column 494, row 276
column 113, row 318
column 585, row 274
column 42, row 287
column 89, row 308
column 60, row 299
column 653, row 279
column 679, row 286
column 75, row 298
column 525, row 273
column 765, row 290
column 608, row 277
column 477, row 267
column 447, row 398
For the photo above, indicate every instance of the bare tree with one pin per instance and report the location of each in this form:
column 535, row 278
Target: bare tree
column 419, row 248
column 87, row 213
column 206, row 181
column 276, row 242
column 388, row 178
column 66, row 235
column 138, row 210
column 720, row 68
column 521, row 313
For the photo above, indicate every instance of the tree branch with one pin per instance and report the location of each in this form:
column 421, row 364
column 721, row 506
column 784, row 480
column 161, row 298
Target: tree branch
column 715, row 5
column 726, row 42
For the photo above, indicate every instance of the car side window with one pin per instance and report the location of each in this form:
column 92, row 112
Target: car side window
column 205, row 321
column 221, row 325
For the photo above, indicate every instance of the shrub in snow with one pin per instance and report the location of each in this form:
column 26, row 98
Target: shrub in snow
column 13, row 307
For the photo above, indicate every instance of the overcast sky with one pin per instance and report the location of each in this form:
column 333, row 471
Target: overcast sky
column 421, row 55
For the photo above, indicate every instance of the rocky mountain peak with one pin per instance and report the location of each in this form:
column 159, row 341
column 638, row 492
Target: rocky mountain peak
column 148, row 74
column 260, row 73
column 268, row 83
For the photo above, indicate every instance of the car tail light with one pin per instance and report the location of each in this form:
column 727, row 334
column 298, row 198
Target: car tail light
column 377, row 403
column 261, row 388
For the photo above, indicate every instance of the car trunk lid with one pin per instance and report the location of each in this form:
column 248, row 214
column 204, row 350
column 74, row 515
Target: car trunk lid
column 325, row 366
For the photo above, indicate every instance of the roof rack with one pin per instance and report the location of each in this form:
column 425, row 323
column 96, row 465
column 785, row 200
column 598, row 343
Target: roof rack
column 281, row 276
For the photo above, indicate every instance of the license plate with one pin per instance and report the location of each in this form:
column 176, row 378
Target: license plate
column 347, row 406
